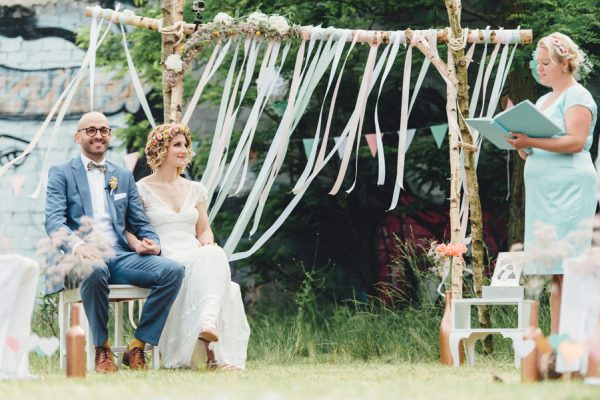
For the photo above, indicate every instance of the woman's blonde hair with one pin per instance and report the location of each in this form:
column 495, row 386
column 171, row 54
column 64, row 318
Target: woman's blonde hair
column 159, row 140
column 560, row 48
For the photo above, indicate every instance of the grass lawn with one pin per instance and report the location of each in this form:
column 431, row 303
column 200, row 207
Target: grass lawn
column 311, row 380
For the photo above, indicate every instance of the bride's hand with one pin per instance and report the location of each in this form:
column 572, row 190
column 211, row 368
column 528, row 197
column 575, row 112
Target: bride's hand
column 148, row 247
column 206, row 238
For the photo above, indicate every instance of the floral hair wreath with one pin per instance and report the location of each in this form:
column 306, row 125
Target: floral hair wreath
column 166, row 133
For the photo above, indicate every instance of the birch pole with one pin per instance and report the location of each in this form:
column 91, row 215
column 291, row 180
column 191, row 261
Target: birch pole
column 166, row 51
column 475, row 216
column 172, row 43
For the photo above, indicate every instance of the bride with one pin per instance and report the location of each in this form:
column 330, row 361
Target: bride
column 207, row 319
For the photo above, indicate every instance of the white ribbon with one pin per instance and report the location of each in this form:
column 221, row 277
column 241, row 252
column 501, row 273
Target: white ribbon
column 209, row 71
column 321, row 156
column 137, row 85
column 254, row 195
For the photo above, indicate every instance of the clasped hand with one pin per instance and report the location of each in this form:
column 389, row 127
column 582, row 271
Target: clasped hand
column 519, row 140
column 147, row 247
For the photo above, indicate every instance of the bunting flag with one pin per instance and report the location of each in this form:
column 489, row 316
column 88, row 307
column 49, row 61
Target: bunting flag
column 509, row 104
column 16, row 183
column 308, row 144
column 131, row 160
column 372, row 142
column 439, row 133
column 340, row 149
column 410, row 135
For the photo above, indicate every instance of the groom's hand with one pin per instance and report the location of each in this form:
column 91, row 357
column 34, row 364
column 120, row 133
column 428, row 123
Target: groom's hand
column 148, row 247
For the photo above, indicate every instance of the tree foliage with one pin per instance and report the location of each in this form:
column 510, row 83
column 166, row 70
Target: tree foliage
column 341, row 230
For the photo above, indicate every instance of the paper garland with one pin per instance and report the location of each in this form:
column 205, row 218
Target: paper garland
column 16, row 183
column 44, row 346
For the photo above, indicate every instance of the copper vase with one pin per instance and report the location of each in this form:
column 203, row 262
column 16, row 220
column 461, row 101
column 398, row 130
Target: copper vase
column 76, row 346
column 530, row 368
column 445, row 330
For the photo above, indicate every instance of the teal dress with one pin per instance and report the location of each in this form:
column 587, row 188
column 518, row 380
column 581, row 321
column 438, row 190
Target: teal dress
column 560, row 188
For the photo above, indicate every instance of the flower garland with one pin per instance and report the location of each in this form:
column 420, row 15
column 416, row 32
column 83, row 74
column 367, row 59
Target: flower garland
column 271, row 27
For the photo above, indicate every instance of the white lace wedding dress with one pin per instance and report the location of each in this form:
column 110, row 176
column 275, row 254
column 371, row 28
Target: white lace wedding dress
column 207, row 297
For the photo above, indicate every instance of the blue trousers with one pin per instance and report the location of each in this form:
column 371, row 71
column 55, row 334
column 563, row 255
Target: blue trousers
column 162, row 275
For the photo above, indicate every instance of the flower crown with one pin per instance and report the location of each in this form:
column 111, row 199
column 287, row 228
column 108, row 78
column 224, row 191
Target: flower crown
column 163, row 134
column 168, row 132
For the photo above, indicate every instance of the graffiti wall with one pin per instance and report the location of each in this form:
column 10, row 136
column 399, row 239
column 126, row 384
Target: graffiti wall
column 38, row 58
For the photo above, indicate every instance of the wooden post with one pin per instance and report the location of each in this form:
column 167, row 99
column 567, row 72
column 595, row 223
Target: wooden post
column 475, row 216
column 177, row 90
column 166, row 51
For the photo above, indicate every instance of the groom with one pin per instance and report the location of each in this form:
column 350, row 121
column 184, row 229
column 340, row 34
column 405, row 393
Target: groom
column 89, row 186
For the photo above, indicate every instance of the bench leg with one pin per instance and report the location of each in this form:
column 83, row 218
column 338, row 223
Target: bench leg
column 62, row 331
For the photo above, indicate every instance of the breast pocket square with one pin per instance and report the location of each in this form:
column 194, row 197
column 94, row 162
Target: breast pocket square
column 119, row 196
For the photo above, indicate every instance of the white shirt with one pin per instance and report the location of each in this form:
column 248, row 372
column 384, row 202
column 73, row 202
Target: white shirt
column 99, row 195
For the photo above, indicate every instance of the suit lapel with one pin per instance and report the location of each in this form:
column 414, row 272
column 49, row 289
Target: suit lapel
column 82, row 186
column 110, row 172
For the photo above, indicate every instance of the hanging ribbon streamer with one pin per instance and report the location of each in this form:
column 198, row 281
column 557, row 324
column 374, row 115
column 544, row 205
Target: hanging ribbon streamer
column 398, row 184
column 395, row 45
column 313, row 154
column 209, row 71
column 209, row 177
column 137, row 85
column 303, row 183
column 242, row 151
column 253, row 197
column 355, row 122
column 96, row 12
column 69, row 94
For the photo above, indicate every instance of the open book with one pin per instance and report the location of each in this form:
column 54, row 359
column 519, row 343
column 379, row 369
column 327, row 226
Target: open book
column 523, row 118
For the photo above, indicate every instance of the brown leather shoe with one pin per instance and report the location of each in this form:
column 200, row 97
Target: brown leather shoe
column 135, row 359
column 105, row 364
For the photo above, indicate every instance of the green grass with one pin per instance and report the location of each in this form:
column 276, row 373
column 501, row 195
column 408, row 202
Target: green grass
column 299, row 380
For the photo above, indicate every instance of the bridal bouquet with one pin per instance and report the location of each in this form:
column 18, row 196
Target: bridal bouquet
column 58, row 261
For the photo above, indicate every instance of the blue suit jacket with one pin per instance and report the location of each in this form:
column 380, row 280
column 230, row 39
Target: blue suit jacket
column 68, row 199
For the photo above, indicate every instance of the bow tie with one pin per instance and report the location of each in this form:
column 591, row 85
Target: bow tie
column 100, row 167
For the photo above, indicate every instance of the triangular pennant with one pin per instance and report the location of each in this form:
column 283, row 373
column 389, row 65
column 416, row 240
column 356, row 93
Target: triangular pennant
column 439, row 133
column 336, row 139
column 509, row 104
column 372, row 142
column 131, row 160
column 16, row 182
column 308, row 143
column 410, row 135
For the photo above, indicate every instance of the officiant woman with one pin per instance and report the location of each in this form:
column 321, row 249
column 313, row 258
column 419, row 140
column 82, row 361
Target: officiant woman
column 560, row 179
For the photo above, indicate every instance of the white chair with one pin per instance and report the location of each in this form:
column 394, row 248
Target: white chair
column 461, row 326
column 118, row 295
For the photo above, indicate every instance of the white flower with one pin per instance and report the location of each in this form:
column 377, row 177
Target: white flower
column 279, row 24
column 223, row 19
column 174, row 63
column 257, row 18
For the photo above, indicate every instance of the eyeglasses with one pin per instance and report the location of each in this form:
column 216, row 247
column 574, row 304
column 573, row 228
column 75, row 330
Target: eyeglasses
column 91, row 131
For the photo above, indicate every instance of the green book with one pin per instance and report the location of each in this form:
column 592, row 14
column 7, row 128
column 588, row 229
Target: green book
column 523, row 118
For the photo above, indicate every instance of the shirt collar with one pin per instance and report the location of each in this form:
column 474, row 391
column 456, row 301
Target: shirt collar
column 86, row 160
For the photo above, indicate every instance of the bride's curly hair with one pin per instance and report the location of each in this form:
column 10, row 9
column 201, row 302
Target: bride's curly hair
column 159, row 140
